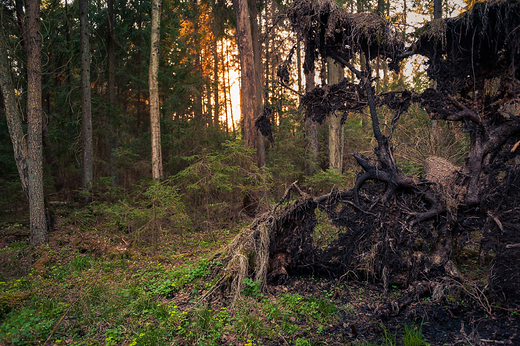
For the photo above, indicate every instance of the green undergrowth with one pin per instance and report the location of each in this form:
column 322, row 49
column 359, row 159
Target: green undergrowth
column 88, row 300
column 82, row 299
column 131, row 267
column 103, row 301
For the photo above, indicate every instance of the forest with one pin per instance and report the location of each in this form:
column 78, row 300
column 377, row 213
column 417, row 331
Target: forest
column 256, row 172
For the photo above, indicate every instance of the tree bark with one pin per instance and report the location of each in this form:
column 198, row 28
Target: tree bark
column 312, row 129
column 39, row 230
column 336, row 139
column 14, row 121
column 153, row 80
column 21, row 24
column 437, row 14
column 247, row 75
column 86, row 107
column 216, row 95
column 111, row 54
column 112, row 87
column 437, row 9
column 258, row 80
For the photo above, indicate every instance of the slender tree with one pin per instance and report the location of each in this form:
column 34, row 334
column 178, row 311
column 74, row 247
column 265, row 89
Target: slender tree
column 112, row 85
column 336, row 139
column 153, row 80
column 258, row 80
column 437, row 9
column 437, row 14
column 14, row 121
column 247, row 73
column 39, row 230
column 312, row 128
column 86, row 106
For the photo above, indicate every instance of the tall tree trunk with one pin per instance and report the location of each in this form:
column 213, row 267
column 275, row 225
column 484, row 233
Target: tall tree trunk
column 437, row 14
column 14, row 121
column 335, row 75
column 86, row 107
column 153, row 80
column 224, row 87
column 312, row 129
column 247, row 76
column 39, row 230
column 21, row 25
column 299, row 65
column 112, row 88
column 111, row 54
column 229, row 93
column 48, row 150
column 216, row 96
column 258, row 79
column 140, row 121
column 437, row 9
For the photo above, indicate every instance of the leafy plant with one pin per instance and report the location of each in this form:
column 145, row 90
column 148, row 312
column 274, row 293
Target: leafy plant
column 251, row 288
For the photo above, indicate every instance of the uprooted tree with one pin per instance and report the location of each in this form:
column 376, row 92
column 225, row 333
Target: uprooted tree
column 393, row 227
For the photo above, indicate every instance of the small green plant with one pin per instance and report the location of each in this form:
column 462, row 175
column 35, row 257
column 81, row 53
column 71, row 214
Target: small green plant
column 302, row 342
column 114, row 336
column 324, row 181
column 251, row 288
column 80, row 263
column 26, row 327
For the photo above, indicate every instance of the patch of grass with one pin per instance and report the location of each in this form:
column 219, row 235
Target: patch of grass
column 170, row 282
column 413, row 336
column 80, row 262
column 389, row 339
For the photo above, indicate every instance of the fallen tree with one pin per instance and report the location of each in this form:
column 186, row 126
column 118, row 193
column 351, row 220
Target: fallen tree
column 392, row 227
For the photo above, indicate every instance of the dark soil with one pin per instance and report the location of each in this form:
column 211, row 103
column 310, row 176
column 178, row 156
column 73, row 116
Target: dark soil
column 364, row 310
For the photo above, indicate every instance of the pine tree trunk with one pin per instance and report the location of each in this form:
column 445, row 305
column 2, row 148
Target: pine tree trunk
column 312, row 129
column 112, row 88
column 437, row 14
column 258, row 80
column 155, row 124
column 39, row 231
column 247, row 75
column 335, row 75
column 216, row 96
column 14, row 121
column 140, row 121
column 86, row 106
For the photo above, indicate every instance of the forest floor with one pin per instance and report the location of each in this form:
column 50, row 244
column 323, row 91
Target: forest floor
column 90, row 286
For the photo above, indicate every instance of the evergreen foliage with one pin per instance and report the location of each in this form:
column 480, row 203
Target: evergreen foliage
column 129, row 267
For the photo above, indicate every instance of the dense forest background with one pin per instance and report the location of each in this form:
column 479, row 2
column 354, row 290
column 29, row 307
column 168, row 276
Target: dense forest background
column 259, row 172
column 198, row 69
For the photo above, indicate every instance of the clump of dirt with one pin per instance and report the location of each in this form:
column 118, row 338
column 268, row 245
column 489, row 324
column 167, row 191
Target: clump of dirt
column 439, row 170
column 501, row 235
column 342, row 98
column 263, row 123
column 343, row 34
column 480, row 44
